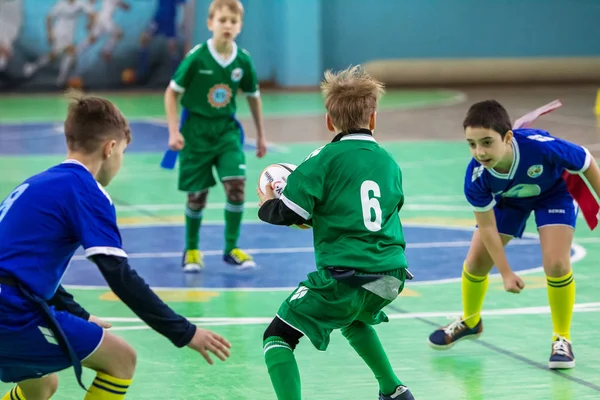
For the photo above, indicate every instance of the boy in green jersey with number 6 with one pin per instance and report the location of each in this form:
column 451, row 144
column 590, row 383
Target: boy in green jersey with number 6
column 210, row 136
column 350, row 191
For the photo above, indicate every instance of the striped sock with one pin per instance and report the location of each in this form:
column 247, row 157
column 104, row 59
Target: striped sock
column 282, row 368
column 106, row 387
column 14, row 394
column 474, row 289
column 561, row 296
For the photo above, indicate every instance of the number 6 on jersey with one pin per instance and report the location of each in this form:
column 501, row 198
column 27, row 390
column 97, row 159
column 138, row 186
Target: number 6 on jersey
column 370, row 203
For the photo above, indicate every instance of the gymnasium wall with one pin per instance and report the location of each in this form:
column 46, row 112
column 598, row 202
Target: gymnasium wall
column 27, row 32
column 293, row 41
column 427, row 41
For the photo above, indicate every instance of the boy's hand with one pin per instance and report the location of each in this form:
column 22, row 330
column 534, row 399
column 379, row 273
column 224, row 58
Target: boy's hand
column 176, row 141
column 261, row 147
column 512, row 283
column 99, row 322
column 205, row 341
column 270, row 195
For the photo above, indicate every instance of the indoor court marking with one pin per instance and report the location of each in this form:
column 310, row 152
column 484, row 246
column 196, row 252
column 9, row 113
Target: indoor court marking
column 508, row 362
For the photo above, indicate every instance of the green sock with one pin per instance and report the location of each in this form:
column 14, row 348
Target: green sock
column 193, row 220
column 283, row 368
column 364, row 340
column 233, row 222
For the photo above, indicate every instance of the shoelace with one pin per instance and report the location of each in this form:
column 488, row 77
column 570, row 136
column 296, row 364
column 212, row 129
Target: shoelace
column 561, row 347
column 454, row 327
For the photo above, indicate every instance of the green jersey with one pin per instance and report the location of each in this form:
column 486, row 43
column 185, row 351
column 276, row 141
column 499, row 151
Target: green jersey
column 352, row 190
column 210, row 83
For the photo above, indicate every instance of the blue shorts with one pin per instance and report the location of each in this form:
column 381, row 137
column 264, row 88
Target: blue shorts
column 27, row 347
column 559, row 209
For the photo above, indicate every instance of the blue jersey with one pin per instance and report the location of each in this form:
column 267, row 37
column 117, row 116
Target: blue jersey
column 535, row 175
column 45, row 219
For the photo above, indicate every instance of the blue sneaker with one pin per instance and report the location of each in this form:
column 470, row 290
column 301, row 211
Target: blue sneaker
column 562, row 356
column 401, row 393
column 446, row 336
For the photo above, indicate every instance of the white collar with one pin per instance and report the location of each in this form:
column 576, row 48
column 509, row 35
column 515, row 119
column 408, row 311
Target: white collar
column 73, row 161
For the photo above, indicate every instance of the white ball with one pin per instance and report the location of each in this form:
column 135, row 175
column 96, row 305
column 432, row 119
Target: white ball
column 276, row 176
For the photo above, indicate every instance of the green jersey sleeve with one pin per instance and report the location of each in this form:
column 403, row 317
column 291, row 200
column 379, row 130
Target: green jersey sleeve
column 185, row 72
column 249, row 82
column 304, row 188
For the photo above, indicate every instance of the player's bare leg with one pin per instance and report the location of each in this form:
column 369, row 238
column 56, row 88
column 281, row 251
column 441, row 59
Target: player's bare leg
column 66, row 63
column 142, row 67
column 5, row 54
column 114, row 361
column 234, row 209
column 34, row 389
column 556, row 243
column 474, row 288
column 31, row 68
column 114, row 39
column 192, row 257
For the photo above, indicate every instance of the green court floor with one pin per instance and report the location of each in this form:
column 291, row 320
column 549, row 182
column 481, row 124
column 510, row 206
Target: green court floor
column 509, row 361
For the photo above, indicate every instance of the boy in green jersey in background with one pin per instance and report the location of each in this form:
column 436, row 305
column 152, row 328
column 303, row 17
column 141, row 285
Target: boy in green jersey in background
column 208, row 80
column 350, row 191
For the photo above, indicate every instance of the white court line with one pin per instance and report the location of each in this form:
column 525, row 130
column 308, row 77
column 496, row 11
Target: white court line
column 287, row 250
column 578, row 250
column 253, row 205
column 225, row 321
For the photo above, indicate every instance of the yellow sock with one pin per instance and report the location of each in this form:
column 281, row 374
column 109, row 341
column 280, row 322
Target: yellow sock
column 474, row 289
column 106, row 387
column 14, row 394
column 561, row 296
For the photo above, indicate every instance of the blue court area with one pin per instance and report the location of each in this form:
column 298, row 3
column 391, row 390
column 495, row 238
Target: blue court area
column 284, row 256
column 48, row 138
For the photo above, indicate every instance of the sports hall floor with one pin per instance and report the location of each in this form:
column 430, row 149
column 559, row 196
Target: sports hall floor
column 422, row 129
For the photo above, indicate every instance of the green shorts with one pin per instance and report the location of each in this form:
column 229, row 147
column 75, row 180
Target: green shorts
column 321, row 304
column 210, row 143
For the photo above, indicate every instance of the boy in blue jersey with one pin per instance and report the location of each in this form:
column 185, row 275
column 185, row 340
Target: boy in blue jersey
column 513, row 173
column 42, row 222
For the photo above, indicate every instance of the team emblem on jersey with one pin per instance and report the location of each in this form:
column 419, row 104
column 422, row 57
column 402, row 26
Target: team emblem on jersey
column 236, row 74
column 219, row 95
column 535, row 170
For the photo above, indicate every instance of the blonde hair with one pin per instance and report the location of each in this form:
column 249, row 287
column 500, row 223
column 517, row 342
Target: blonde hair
column 351, row 96
column 235, row 6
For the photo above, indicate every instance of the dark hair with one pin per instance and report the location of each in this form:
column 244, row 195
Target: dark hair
column 488, row 114
column 92, row 120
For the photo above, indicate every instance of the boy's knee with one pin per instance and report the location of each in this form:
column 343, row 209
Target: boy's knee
column 557, row 267
column 280, row 329
column 51, row 386
column 235, row 190
column 42, row 388
column 356, row 328
column 130, row 360
column 114, row 357
column 197, row 201
column 124, row 363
